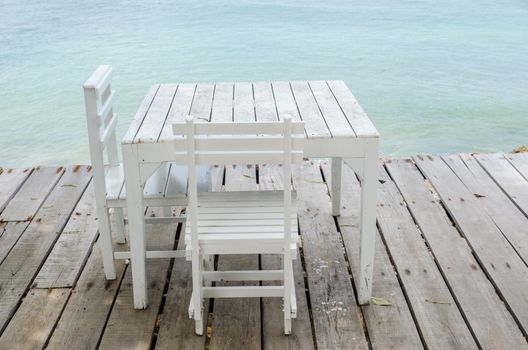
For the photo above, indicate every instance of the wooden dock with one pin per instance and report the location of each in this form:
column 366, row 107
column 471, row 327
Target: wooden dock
column 451, row 266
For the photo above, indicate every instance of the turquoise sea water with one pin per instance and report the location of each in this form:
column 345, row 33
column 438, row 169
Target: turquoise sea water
column 434, row 76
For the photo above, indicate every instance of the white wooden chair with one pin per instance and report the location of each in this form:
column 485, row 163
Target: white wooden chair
column 249, row 222
column 165, row 188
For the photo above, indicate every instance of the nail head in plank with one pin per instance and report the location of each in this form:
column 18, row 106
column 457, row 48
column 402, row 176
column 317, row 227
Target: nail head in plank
column 388, row 326
column 497, row 257
column 473, row 291
column 33, row 192
column 439, row 319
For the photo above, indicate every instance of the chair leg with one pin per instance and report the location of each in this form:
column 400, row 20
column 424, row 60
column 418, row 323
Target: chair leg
column 197, row 300
column 119, row 216
column 105, row 244
column 288, row 283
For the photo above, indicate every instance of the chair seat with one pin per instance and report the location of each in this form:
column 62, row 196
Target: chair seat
column 166, row 186
column 246, row 222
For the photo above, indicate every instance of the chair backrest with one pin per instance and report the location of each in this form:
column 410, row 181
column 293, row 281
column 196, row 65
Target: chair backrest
column 239, row 143
column 101, row 120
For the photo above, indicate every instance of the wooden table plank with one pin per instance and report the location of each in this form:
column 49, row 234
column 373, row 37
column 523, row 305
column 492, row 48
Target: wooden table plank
column 21, row 265
column 243, row 107
column 223, row 103
column 284, row 100
column 336, row 315
column 69, row 254
column 315, row 125
column 389, row 327
column 155, row 117
column 33, row 192
column 241, row 316
column 437, row 315
column 302, row 337
column 128, row 328
column 35, row 319
column 335, row 119
column 474, row 293
column 265, row 109
column 10, row 233
column 140, row 114
column 83, row 320
column 356, row 116
column 520, row 162
column 10, row 182
column 507, row 177
column 202, row 102
column 495, row 254
column 511, row 222
column 180, row 108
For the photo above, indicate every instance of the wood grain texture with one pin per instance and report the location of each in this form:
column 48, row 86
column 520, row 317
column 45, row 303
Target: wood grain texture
column 497, row 257
column 302, row 337
column 507, row 177
column 83, row 320
column 389, row 327
column 511, row 222
column 140, row 114
column 152, row 125
column 22, row 264
column 69, row 254
column 265, row 109
column 32, row 194
column 439, row 320
column 127, row 327
column 311, row 115
column 520, row 162
column 10, row 182
column 39, row 313
column 10, row 233
column 486, row 314
column 336, row 315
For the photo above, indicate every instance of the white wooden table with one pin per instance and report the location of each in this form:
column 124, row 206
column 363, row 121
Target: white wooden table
column 335, row 124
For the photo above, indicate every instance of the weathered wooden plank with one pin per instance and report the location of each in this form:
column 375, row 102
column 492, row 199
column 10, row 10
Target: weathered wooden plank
column 128, row 328
column 335, row 119
column 223, row 103
column 314, row 123
column 511, row 222
column 389, row 327
column 284, row 100
column 357, row 117
column 33, row 192
column 491, row 323
column 507, row 177
column 336, row 316
column 265, row 109
column 35, row 319
column 10, row 233
column 176, row 329
column 10, row 182
column 520, row 162
column 302, row 337
column 69, row 254
column 22, row 264
column 156, row 115
column 202, row 102
column 235, row 317
column 140, row 114
column 84, row 317
column 244, row 106
column 439, row 319
column 497, row 257
column 180, row 108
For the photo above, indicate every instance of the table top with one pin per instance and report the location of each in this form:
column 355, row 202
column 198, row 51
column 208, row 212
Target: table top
column 328, row 108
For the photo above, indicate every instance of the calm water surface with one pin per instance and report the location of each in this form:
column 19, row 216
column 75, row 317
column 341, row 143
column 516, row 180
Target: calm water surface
column 434, row 76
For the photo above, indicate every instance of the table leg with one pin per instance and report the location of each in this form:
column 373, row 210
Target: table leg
column 136, row 226
column 336, row 185
column 369, row 187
